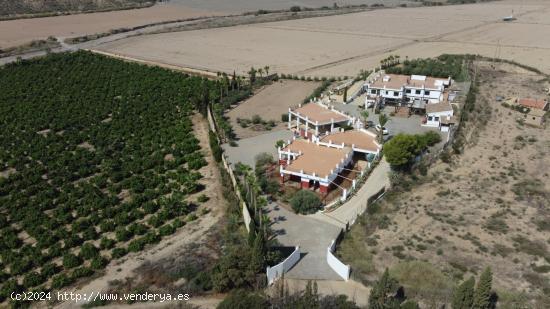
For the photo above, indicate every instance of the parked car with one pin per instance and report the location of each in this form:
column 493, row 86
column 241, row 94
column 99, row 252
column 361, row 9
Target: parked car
column 369, row 103
column 369, row 124
column 383, row 129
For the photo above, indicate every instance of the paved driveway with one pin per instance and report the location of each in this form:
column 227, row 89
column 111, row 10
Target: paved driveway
column 249, row 148
column 349, row 211
column 313, row 237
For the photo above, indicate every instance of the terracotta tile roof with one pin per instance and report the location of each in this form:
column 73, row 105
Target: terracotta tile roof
column 315, row 158
column 316, row 112
column 438, row 107
column 358, row 138
column 533, row 103
column 395, row 81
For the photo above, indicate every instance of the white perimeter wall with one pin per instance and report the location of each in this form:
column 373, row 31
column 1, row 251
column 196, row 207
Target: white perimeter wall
column 273, row 273
column 340, row 268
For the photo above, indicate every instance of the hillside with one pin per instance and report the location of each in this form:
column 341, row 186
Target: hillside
column 23, row 7
column 484, row 207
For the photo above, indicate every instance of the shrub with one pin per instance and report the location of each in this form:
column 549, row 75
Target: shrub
column 81, row 272
column 138, row 229
column 107, row 243
column 243, row 299
column 166, row 230
column 33, row 279
column 98, row 262
column 9, row 287
column 49, row 269
column 70, row 260
column 202, row 198
column 295, row 8
column 136, row 245
column 88, row 251
column 256, row 119
column 123, row 234
column 431, row 138
column 305, row 202
column 118, row 253
column 60, row 281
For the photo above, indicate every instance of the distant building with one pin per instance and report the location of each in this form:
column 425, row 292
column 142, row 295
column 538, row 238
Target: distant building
column 534, row 103
column 535, row 117
column 406, row 89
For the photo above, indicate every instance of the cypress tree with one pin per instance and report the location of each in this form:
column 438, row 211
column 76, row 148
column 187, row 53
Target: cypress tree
column 345, row 98
column 382, row 293
column 463, row 297
column 482, row 294
column 257, row 261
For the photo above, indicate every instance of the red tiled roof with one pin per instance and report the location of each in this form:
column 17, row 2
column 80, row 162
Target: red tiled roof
column 533, row 103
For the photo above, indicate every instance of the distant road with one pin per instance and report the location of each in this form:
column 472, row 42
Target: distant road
column 93, row 43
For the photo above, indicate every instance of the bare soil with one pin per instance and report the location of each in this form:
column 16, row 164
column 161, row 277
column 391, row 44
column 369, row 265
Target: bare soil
column 29, row 7
column 21, row 31
column 342, row 45
column 270, row 103
column 488, row 207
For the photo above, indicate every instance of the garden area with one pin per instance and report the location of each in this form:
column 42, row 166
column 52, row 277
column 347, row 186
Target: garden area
column 97, row 159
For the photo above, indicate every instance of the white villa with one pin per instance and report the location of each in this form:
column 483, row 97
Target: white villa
column 406, row 89
column 317, row 163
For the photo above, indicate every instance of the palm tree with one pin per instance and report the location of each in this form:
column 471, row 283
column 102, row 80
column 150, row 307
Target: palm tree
column 365, row 116
column 260, row 71
column 390, row 60
column 252, row 75
column 266, row 69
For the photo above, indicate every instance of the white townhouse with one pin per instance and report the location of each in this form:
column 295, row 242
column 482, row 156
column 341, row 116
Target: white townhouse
column 405, row 88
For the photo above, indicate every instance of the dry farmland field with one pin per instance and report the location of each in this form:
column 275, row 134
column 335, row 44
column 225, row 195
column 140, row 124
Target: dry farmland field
column 486, row 207
column 344, row 44
column 21, row 31
column 269, row 103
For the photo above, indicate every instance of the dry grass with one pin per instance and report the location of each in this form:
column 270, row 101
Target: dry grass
column 22, row 31
column 486, row 208
column 341, row 45
column 270, row 103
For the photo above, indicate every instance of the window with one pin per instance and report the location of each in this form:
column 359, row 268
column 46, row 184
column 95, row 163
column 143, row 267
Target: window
column 373, row 91
column 395, row 93
column 430, row 118
column 436, row 118
column 426, row 92
column 418, row 91
column 408, row 91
